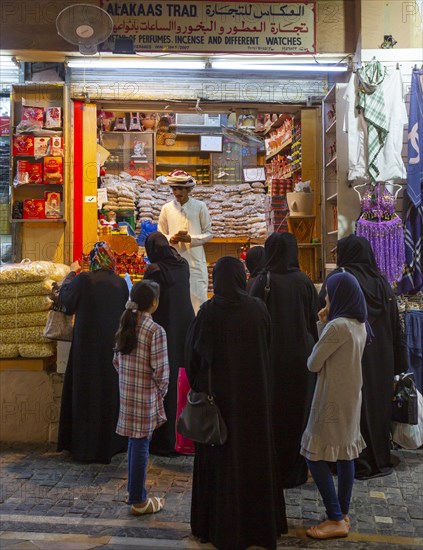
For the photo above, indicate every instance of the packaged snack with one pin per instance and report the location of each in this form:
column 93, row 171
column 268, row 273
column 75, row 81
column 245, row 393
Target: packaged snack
column 53, row 117
column 56, row 146
column 33, row 209
column 29, row 172
column 41, row 146
column 134, row 122
column 23, row 145
column 120, row 124
column 52, row 205
column 33, row 116
column 53, row 170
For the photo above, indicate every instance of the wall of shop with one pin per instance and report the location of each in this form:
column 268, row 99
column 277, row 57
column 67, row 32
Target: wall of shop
column 401, row 20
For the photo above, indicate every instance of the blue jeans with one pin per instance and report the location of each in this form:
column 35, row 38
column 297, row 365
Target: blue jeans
column 337, row 505
column 138, row 453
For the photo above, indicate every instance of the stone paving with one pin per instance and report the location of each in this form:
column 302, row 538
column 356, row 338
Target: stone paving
column 48, row 502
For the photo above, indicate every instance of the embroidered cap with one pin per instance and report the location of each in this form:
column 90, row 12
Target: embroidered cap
column 180, row 178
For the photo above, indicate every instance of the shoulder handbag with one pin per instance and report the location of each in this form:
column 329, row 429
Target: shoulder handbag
column 405, row 399
column 201, row 419
column 59, row 326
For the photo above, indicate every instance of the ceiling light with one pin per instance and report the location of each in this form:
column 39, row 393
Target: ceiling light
column 102, row 63
column 282, row 67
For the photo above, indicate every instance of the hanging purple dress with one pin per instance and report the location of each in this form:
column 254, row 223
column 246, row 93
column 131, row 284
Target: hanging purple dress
column 383, row 229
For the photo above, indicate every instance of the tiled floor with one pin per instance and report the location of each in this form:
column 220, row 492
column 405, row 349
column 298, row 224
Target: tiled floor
column 48, row 502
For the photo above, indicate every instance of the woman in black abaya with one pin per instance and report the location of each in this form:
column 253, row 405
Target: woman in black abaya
column 255, row 262
column 90, row 398
column 174, row 314
column 382, row 359
column 292, row 303
column 236, row 500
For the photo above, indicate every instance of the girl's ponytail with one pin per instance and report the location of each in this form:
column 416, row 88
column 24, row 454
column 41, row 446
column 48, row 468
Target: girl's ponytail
column 143, row 295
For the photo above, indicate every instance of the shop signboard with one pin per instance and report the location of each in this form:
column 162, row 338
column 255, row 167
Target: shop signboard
column 215, row 27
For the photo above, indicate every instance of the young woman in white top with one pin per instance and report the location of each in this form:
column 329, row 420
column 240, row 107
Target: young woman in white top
column 333, row 430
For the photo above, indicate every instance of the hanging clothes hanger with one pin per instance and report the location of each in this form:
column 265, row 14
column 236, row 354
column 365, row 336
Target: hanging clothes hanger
column 397, row 187
column 358, row 187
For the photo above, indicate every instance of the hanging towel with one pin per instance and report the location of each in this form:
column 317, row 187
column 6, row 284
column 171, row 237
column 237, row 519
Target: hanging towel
column 371, row 102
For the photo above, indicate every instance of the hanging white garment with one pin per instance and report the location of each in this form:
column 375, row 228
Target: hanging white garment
column 389, row 161
column 193, row 217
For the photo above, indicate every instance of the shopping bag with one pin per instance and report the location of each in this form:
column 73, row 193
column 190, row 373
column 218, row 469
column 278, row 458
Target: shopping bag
column 410, row 436
column 183, row 444
column 404, row 399
column 59, row 326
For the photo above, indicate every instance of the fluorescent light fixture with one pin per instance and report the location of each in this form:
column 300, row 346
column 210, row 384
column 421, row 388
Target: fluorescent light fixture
column 282, row 67
column 106, row 63
column 7, row 63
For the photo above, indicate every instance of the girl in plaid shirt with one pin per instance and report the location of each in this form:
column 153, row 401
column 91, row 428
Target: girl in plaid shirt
column 142, row 364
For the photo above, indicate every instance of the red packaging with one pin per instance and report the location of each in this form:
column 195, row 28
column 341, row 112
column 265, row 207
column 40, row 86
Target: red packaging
column 4, row 125
column 23, row 145
column 53, row 117
column 29, row 172
column 56, row 146
column 33, row 209
column 33, row 116
column 41, row 146
column 52, row 205
column 53, row 169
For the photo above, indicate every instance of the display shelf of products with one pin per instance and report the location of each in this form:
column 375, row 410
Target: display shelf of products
column 182, row 150
column 279, row 120
column 37, row 161
column 131, row 152
column 335, row 191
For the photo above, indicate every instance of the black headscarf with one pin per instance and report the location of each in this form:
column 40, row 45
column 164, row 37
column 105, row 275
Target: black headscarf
column 229, row 285
column 255, row 260
column 281, row 251
column 229, row 282
column 356, row 256
column 347, row 300
column 165, row 256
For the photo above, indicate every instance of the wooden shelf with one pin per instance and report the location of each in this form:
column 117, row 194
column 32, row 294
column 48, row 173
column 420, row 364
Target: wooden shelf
column 281, row 148
column 25, row 364
column 171, row 150
column 35, row 185
column 205, row 164
column 127, row 132
column 276, row 124
column 35, row 220
column 217, row 240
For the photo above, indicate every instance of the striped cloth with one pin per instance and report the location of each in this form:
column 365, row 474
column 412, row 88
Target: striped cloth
column 372, row 103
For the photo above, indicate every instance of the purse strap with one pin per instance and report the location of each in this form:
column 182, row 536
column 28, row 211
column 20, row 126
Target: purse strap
column 209, row 386
column 267, row 287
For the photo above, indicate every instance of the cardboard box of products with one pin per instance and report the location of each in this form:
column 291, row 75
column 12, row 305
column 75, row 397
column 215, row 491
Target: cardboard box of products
column 33, row 209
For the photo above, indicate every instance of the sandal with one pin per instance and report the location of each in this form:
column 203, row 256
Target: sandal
column 329, row 529
column 151, row 506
